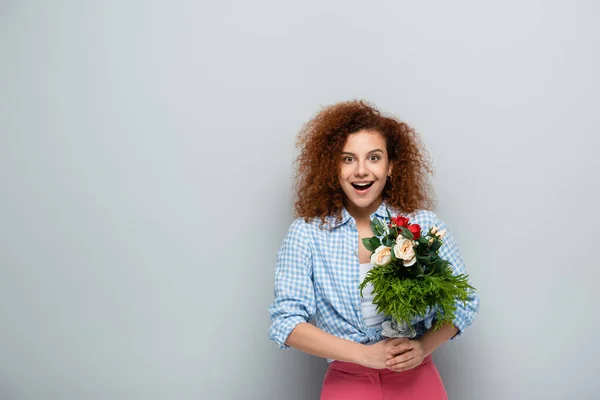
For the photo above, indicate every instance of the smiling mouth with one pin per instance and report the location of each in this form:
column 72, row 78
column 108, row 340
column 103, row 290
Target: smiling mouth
column 362, row 186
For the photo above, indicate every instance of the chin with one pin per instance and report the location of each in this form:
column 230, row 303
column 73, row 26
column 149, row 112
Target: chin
column 363, row 203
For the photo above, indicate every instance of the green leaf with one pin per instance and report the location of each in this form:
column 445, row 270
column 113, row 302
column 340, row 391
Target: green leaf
column 436, row 245
column 377, row 227
column 422, row 240
column 406, row 233
column 369, row 244
column 423, row 257
column 388, row 241
column 394, row 258
column 375, row 242
column 418, row 269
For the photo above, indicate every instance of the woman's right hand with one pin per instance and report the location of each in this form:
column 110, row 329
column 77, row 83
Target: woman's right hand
column 376, row 355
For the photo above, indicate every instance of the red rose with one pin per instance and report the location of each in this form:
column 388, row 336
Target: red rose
column 416, row 230
column 400, row 221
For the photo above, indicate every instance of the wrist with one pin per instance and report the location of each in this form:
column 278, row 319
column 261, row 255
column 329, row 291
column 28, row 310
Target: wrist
column 425, row 345
column 361, row 354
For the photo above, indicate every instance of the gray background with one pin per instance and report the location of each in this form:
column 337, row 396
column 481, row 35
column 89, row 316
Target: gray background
column 146, row 167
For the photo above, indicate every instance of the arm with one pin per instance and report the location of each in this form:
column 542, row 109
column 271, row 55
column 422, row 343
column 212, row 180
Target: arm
column 295, row 304
column 432, row 339
column 312, row 340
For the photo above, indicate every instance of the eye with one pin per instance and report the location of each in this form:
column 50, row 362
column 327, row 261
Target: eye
column 348, row 159
column 374, row 157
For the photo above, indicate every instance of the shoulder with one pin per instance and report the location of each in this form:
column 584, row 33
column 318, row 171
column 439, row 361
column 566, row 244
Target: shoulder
column 312, row 225
column 300, row 239
column 300, row 226
column 303, row 231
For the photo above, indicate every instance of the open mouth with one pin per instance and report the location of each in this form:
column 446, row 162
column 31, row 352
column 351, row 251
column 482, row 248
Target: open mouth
column 362, row 186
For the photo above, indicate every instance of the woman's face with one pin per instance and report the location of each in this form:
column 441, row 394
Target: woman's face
column 364, row 168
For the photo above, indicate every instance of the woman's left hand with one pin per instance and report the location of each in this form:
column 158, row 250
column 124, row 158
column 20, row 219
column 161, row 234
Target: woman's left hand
column 406, row 355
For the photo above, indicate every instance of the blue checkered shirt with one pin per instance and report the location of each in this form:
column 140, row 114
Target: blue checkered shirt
column 317, row 278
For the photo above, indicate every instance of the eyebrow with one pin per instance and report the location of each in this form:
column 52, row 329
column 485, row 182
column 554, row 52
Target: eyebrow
column 372, row 151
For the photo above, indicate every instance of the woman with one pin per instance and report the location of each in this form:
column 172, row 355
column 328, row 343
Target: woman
column 354, row 164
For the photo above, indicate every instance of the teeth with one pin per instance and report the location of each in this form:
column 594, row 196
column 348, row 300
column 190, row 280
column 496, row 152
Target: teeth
column 362, row 184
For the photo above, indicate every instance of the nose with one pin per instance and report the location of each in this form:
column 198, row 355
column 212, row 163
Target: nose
column 361, row 169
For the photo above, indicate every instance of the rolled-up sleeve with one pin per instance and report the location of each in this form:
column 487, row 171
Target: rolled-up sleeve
column 465, row 312
column 294, row 301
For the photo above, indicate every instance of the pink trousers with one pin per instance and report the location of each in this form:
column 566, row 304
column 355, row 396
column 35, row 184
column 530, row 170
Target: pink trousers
column 347, row 381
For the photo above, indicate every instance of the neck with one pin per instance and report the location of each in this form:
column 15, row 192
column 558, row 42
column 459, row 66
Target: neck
column 363, row 214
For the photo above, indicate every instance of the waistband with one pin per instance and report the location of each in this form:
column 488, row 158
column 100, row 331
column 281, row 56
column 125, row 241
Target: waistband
column 359, row 369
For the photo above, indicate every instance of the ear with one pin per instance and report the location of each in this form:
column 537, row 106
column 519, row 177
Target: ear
column 390, row 170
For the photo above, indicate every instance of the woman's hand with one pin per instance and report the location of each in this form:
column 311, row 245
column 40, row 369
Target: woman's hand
column 406, row 355
column 376, row 355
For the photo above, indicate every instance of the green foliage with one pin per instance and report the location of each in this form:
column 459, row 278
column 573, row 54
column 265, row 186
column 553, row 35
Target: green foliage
column 372, row 243
column 406, row 233
column 377, row 227
column 388, row 241
column 408, row 292
column 404, row 293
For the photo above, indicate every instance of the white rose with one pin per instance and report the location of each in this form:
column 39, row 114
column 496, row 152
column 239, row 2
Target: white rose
column 409, row 263
column 441, row 234
column 404, row 251
column 382, row 256
column 434, row 229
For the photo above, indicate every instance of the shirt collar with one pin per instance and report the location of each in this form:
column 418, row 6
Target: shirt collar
column 381, row 212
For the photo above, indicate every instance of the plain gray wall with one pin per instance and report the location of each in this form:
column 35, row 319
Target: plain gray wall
column 146, row 168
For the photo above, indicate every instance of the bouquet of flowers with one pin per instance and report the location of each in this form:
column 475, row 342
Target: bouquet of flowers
column 409, row 278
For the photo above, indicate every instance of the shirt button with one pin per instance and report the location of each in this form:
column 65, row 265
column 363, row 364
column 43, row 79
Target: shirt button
column 355, row 279
column 357, row 308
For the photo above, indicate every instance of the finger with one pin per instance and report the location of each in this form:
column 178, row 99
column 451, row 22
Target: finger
column 391, row 347
column 404, row 367
column 414, row 363
column 401, row 348
column 401, row 360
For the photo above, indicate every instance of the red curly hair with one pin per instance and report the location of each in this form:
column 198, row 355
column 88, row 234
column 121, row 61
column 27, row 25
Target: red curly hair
column 323, row 138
